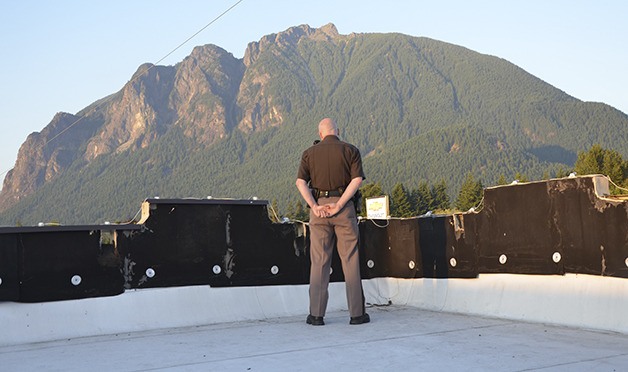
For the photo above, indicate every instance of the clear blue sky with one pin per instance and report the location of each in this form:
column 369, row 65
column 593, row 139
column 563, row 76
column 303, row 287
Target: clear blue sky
column 63, row 55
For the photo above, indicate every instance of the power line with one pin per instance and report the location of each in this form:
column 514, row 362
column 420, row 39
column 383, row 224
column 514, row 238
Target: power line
column 140, row 74
column 198, row 32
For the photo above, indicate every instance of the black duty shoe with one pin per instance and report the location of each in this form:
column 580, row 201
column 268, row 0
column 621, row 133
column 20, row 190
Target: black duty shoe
column 315, row 320
column 365, row 318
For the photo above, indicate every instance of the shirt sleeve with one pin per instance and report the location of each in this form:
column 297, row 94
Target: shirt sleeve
column 304, row 168
column 356, row 165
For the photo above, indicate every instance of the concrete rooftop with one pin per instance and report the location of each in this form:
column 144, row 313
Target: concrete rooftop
column 398, row 338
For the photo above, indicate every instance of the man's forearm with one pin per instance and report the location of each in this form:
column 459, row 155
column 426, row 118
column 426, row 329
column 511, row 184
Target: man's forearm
column 306, row 193
column 352, row 188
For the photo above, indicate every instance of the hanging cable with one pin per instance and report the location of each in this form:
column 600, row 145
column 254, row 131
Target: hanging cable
column 614, row 184
column 151, row 67
column 139, row 75
column 270, row 206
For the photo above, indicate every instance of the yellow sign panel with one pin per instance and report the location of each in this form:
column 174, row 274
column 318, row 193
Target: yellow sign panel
column 377, row 207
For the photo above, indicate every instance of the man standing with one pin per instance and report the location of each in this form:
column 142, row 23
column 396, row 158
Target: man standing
column 335, row 171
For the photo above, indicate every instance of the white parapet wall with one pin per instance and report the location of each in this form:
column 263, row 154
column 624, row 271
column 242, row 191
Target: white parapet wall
column 574, row 300
column 158, row 308
column 582, row 301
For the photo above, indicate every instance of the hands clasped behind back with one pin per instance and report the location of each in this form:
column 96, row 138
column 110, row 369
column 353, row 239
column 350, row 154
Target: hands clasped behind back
column 326, row 210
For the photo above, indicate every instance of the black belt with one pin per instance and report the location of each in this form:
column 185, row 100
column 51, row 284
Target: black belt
column 326, row 194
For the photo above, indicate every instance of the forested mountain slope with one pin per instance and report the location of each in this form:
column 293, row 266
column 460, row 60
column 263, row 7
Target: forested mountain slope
column 418, row 109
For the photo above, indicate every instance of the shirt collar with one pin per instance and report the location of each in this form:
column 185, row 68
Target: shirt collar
column 330, row 138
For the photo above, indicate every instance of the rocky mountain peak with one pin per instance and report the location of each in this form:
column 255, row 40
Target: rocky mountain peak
column 329, row 31
column 41, row 157
column 287, row 38
column 208, row 52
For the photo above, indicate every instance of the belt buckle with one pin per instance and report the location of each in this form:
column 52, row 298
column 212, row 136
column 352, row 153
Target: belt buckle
column 326, row 193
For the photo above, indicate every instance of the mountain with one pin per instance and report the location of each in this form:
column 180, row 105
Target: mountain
column 418, row 109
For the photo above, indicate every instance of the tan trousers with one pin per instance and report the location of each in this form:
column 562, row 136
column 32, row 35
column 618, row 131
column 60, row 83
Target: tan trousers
column 344, row 226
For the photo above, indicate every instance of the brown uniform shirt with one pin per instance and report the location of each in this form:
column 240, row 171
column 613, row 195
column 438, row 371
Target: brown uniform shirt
column 331, row 164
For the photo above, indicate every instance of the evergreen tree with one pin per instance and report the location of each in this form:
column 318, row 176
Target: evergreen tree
column 400, row 204
column 440, row 197
column 521, row 177
column 502, row 180
column 369, row 190
column 601, row 161
column 562, row 172
column 300, row 212
column 470, row 193
column 614, row 166
column 422, row 198
column 290, row 210
column 590, row 162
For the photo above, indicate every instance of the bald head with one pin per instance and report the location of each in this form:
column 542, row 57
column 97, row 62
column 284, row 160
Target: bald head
column 327, row 127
